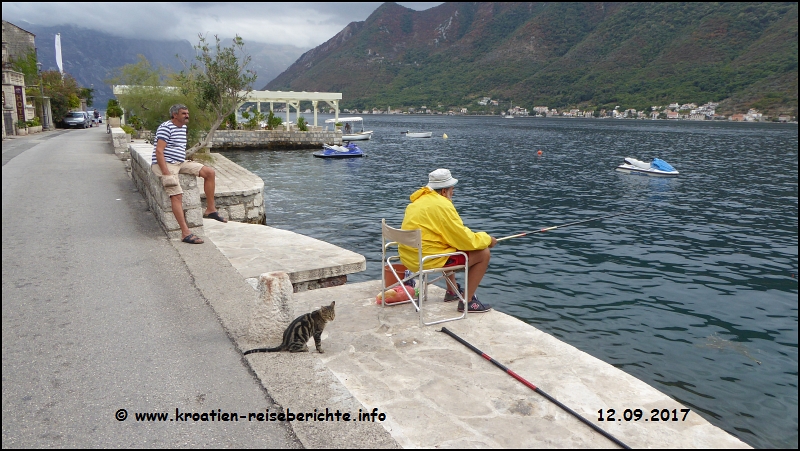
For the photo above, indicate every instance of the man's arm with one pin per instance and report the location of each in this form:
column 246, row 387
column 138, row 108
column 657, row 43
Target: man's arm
column 160, row 160
column 456, row 234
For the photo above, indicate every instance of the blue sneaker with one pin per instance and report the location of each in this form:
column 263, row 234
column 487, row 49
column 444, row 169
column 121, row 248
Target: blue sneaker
column 475, row 306
column 450, row 296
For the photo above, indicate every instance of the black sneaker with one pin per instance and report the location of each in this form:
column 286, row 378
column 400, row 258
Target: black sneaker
column 450, row 296
column 475, row 306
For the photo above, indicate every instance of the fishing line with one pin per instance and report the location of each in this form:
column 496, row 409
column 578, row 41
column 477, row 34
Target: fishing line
column 559, row 226
column 536, row 389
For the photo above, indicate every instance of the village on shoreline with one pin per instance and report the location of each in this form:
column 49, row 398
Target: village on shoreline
column 674, row 111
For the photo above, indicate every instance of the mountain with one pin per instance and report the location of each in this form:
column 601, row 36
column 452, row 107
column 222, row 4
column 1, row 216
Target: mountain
column 92, row 56
column 562, row 55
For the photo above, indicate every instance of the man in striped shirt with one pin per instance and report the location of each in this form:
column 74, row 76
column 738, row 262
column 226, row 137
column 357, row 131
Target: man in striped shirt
column 169, row 159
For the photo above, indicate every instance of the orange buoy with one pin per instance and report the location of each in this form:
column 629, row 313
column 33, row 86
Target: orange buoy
column 539, row 152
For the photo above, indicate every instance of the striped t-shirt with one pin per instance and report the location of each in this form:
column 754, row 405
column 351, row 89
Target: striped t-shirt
column 175, row 137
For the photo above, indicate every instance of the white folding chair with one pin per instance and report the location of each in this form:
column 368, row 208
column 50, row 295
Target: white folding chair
column 413, row 238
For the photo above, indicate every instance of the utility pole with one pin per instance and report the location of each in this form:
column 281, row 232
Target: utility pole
column 45, row 121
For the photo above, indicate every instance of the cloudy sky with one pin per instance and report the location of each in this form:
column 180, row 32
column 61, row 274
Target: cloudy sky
column 304, row 25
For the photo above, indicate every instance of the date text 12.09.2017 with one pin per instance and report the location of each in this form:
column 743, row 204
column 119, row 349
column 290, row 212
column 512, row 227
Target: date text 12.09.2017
column 637, row 414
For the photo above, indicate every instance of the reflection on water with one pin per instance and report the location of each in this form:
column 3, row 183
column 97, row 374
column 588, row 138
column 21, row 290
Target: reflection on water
column 689, row 291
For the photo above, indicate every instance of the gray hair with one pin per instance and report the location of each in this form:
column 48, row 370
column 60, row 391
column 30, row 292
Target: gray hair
column 174, row 109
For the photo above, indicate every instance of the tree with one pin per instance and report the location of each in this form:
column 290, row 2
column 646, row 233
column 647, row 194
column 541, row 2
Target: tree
column 219, row 82
column 26, row 64
column 63, row 92
column 88, row 94
column 147, row 94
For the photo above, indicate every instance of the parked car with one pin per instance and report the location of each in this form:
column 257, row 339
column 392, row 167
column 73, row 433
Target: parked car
column 78, row 119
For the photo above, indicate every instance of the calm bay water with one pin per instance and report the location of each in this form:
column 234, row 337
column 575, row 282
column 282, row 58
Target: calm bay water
column 694, row 291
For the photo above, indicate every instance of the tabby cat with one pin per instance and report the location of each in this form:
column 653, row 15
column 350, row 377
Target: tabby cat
column 295, row 337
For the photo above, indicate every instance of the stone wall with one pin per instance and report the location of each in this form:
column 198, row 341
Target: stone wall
column 273, row 139
column 150, row 186
column 18, row 41
column 120, row 141
column 239, row 193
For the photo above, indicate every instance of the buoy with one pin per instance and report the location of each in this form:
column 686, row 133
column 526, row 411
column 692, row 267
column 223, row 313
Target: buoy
column 444, row 136
column 539, row 152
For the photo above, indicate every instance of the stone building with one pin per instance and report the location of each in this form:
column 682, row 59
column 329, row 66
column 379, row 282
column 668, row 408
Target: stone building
column 17, row 42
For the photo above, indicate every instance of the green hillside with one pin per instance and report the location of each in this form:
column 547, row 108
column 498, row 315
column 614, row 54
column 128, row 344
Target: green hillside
column 561, row 55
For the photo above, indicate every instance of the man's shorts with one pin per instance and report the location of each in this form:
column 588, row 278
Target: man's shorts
column 456, row 260
column 187, row 167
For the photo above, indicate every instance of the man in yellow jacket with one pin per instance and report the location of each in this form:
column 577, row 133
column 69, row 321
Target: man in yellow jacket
column 431, row 209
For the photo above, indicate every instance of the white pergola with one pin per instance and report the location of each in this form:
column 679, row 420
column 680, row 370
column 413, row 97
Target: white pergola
column 292, row 99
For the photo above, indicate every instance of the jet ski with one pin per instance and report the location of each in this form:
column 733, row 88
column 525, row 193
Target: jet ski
column 656, row 168
column 349, row 150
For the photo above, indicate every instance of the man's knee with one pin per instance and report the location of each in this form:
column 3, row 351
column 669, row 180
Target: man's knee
column 207, row 172
column 480, row 256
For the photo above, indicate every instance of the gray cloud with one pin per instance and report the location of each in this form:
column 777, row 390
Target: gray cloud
column 304, row 25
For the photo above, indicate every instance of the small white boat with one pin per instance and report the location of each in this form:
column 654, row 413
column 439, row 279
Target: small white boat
column 348, row 133
column 417, row 134
column 657, row 168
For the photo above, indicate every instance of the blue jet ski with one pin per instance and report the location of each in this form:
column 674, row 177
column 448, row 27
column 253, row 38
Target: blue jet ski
column 350, row 150
column 658, row 168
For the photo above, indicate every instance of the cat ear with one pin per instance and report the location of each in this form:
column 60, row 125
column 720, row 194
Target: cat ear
column 332, row 303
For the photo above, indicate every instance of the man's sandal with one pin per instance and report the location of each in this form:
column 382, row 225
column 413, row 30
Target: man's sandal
column 192, row 239
column 215, row 215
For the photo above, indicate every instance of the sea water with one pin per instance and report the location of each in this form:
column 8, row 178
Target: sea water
column 693, row 290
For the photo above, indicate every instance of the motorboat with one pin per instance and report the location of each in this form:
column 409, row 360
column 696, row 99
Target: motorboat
column 350, row 150
column 656, row 168
column 417, row 134
column 348, row 130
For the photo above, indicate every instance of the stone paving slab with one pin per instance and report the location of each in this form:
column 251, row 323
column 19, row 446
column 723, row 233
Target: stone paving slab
column 232, row 179
column 436, row 392
column 255, row 249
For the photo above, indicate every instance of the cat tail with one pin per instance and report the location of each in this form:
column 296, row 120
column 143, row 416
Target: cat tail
column 275, row 349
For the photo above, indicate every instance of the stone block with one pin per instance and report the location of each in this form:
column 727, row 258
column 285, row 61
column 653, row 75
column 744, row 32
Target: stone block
column 194, row 217
column 168, row 220
column 273, row 310
column 237, row 212
column 191, row 198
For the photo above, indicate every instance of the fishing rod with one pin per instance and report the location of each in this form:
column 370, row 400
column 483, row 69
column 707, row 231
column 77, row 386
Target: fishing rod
column 536, row 389
column 560, row 226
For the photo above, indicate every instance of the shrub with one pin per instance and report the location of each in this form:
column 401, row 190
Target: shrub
column 135, row 122
column 302, row 125
column 127, row 128
column 273, row 121
column 253, row 120
column 113, row 109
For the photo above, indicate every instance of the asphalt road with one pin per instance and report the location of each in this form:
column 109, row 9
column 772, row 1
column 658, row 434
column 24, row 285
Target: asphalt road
column 100, row 313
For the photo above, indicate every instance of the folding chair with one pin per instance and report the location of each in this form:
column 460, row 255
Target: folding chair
column 413, row 238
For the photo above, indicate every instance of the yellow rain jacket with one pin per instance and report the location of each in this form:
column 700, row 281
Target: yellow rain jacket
column 442, row 229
